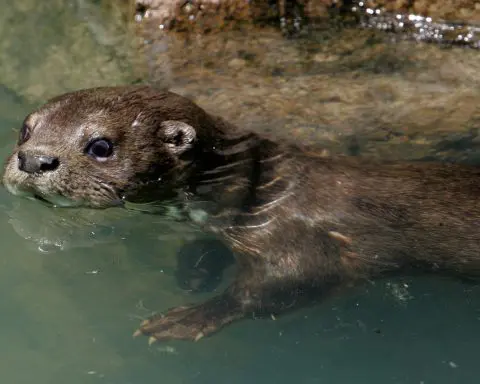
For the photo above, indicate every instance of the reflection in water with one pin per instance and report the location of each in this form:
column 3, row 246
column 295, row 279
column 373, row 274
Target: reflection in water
column 67, row 316
column 54, row 229
column 201, row 264
column 61, row 229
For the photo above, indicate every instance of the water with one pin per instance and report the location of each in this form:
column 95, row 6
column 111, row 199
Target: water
column 70, row 298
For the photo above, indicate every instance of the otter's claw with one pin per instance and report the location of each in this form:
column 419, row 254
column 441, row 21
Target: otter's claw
column 191, row 322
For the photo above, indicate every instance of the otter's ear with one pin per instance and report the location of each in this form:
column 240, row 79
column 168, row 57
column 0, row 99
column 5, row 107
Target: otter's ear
column 178, row 136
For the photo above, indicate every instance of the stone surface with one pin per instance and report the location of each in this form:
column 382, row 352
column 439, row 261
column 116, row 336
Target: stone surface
column 220, row 14
column 352, row 90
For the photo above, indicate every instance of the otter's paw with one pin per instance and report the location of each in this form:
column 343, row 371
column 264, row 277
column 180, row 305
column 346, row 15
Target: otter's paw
column 188, row 323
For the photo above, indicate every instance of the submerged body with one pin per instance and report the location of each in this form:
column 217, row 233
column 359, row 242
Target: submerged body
column 300, row 224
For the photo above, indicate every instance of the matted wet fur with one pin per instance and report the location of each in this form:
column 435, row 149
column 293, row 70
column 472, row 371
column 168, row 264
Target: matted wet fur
column 300, row 224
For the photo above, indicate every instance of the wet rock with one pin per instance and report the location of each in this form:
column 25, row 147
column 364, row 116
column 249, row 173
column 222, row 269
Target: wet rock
column 398, row 98
column 82, row 45
column 216, row 15
column 438, row 24
column 181, row 15
column 465, row 10
column 324, row 58
column 237, row 63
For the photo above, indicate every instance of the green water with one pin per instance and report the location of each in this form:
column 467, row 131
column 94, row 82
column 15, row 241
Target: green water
column 67, row 311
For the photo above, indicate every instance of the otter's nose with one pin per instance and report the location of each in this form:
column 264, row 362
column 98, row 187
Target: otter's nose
column 36, row 163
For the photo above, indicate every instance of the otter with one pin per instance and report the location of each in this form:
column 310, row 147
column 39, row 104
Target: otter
column 301, row 225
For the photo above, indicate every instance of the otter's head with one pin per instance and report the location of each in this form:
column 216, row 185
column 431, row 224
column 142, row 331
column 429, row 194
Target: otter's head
column 95, row 147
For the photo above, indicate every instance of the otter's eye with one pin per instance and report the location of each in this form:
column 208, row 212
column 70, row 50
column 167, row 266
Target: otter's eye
column 100, row 149
column 24, row 134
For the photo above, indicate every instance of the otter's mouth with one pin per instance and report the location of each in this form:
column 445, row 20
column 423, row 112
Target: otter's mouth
column 55, row 201
column 26, row 193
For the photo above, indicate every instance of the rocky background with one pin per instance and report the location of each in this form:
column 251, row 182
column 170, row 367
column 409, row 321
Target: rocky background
column 355, row 90
column 218, row 14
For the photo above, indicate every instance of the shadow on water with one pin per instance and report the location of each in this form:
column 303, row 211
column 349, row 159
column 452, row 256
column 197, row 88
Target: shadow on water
column 74, row 285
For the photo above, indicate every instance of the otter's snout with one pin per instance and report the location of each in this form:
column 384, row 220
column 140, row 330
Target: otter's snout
column 36, row 163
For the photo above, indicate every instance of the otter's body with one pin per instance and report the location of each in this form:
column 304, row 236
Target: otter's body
column 300, row 224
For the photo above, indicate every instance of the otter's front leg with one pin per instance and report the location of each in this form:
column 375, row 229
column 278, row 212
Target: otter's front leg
column 238, row 301
column 272, row 284
column 195, row 321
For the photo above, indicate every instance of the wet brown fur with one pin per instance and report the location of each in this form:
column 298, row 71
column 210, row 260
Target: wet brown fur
column 300, row 224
